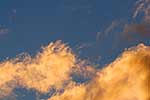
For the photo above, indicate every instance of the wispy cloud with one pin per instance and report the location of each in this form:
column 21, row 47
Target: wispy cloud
column 142, row 6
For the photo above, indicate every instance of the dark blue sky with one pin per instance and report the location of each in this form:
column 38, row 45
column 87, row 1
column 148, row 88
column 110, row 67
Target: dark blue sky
column 33, row 23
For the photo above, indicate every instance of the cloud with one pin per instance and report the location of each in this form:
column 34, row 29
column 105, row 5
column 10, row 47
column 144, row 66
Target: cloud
column 142, row 28
column 142, row 6
column 56, row 66
column 130, row 31
column 122, row 32
column 127, row 78
column 48, row 68
column 108, row 30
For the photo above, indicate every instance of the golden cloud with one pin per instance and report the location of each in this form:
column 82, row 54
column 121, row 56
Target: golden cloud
column 127, row 78
column 48, row 68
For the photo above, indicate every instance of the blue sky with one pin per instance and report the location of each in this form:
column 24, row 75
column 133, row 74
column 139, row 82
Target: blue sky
column 33, row 23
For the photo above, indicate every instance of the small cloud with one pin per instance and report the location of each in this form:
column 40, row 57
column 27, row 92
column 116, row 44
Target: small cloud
column 111, row 27
column 108, row 30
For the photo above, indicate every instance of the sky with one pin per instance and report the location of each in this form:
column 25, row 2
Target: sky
column 96, row 30
column 33, row 23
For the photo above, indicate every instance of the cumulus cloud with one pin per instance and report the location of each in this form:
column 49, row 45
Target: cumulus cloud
column 48, row 68
column 56, row 66
column 127, row 78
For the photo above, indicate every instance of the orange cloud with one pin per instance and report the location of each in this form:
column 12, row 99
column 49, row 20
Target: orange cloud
column 48, row 68
column 127, row 78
